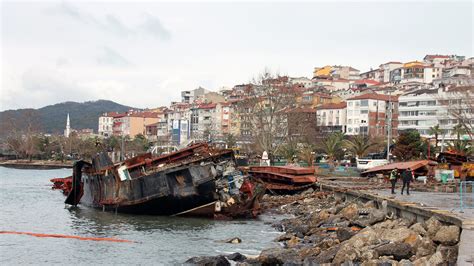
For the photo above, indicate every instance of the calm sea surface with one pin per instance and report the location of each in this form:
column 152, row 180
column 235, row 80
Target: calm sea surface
column 28, row 204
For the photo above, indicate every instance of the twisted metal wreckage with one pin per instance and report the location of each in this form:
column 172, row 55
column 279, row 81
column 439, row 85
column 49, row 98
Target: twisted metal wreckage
column 194, row 181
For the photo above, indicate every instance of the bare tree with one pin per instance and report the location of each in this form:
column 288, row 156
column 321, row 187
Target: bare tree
column 459, row 102
column 263, row 112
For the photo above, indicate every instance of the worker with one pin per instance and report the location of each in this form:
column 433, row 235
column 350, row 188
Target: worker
column 393, row 178
column 407, row 176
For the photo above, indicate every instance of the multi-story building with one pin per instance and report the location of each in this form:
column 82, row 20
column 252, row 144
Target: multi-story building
column 133, row 123
column 426, row 108
column 367, row 114
column 336, row 72
column 332, row 117
column 179, row 123
column 203, row 121
column 303, row 81
column 106, row 123
column 192, row 95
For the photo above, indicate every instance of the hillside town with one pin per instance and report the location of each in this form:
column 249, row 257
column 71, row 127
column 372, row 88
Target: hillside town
column 433, row 92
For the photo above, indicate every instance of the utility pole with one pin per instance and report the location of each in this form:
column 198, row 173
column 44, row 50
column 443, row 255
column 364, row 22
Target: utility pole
column 122, row 145
column 389, row 124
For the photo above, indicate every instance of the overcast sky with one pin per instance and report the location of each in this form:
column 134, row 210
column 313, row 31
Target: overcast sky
column 144, row 54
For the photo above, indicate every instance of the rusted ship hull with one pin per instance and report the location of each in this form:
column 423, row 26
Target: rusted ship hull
column 166, row 185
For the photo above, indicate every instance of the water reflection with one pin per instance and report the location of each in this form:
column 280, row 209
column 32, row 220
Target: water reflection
column 94, row 221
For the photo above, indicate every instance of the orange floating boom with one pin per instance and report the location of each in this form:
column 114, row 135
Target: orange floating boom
column 68, row 236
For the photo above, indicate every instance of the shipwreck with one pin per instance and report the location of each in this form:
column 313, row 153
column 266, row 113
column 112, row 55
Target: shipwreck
column 195, row 181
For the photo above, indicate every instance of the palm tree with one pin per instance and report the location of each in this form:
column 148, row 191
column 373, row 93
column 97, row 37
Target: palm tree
column 436, row 131
column 461, row 147
column 358, row 145
column 331, row 146
column 459, row 130
column 289, row 151
column 306, row 154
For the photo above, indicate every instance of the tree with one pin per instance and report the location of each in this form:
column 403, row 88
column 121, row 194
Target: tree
column 436, row 131
column 459, row 130
column 289, row 150
column 359, row 145
column 459, row 102
column 409, row 145
column 230, row 141
column 307, row 154
column 262, row 112
column 331, row 146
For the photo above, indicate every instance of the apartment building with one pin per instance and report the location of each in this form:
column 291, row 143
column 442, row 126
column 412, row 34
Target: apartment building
column 426, row 108
column 367, row 114
column 332, row 117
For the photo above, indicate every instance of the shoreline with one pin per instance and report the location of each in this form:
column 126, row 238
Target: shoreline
column 328, row 228
column 35, row 165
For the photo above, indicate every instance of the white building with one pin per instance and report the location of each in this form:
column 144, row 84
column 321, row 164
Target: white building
column 332, row 117
column 423, row 109
column 367, row 114
column 304, row 81
column 106, row 124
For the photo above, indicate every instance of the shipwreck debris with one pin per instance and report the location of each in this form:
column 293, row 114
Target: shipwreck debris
column 197, row 181
column 283, row 179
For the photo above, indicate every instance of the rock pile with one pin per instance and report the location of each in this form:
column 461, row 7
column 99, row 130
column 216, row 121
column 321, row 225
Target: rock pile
column 325, row 229
column 328, row 230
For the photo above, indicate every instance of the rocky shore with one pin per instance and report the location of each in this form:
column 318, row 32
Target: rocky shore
column 325, row 229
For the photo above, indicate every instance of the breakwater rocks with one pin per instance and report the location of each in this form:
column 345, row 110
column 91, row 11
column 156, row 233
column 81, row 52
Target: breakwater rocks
column 325, row 229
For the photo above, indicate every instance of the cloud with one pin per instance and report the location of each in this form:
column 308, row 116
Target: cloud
column 114, row 24
column 154, row 26
column 110, row 57
column 151, row 25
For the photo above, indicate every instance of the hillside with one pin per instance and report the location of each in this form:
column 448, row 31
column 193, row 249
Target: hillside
column 52, row 118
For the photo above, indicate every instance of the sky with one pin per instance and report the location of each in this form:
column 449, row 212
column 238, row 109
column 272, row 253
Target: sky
column 143, row 54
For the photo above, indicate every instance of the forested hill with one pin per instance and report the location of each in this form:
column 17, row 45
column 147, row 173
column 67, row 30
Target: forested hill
column 52, row 118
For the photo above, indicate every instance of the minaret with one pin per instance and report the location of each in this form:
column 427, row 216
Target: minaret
column 67, row 131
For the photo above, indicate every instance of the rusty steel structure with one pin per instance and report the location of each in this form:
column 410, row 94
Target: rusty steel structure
column 283, row 179
column 197, row 181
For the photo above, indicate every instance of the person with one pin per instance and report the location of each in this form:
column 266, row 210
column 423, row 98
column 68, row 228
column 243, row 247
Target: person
column 393, row 178
column 407, row 177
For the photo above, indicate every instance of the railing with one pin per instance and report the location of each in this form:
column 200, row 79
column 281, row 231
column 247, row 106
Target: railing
column 466, row 195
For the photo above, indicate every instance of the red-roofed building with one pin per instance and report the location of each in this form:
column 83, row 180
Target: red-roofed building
column 367, row 114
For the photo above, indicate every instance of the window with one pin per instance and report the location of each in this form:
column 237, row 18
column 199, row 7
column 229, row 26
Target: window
column 364, row 103
column 364, row 111
column 349, row 104
column 349, row 121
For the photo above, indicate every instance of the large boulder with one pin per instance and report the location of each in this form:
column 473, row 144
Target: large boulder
column 326, row 256
column 394, row 235
column 280, row 256
column 432, row 226
column 418, row 228
column 425, row 248
column 414, row 240
column 350, row 212
column 350, row 250
column 208, row 261
column 447, row 235
column 399, row 251
column 236, row 257
column 449, row 253
column 436, row 259
column 344, row 233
